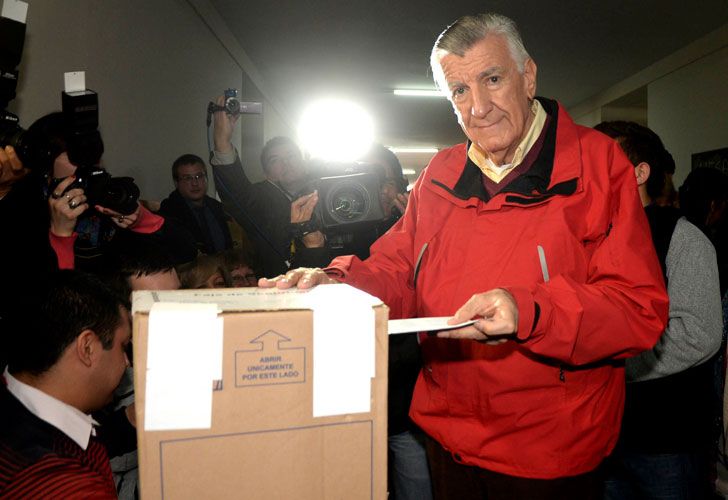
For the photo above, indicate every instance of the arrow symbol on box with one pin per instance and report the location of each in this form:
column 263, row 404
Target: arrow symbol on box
column 268, row 338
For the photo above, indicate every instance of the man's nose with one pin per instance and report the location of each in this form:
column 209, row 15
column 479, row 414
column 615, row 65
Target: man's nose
column 481, row 103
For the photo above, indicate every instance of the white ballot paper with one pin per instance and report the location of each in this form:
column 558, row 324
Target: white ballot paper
column 435, row 324
column 184, row 356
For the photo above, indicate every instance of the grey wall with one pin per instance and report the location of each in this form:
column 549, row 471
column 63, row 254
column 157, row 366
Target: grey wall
column 155, row 66
column 689, row 109
column 686, row 100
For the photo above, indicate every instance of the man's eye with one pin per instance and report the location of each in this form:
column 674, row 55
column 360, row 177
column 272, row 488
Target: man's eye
column 458, row 91
column 494, row 79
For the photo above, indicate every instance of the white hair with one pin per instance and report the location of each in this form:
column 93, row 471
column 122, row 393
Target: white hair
column 461, row 35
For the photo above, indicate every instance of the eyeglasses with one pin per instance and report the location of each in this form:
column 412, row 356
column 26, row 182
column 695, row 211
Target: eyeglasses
column 190, row 178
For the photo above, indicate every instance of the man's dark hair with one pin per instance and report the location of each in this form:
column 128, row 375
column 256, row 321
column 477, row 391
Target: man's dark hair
column 69, row 303
column 641, row 144
column 702, row 187
column 384, row 155
column 133, row 255
column 52, row 131
column 186, row 159
column 274, row 143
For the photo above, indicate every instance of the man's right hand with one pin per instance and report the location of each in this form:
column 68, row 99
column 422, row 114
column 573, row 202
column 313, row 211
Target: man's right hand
column 303, row 277
column 224, row 126
column 11, row 169
column 66, row 207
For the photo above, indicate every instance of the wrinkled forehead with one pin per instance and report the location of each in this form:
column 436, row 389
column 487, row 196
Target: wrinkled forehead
column 490, row 53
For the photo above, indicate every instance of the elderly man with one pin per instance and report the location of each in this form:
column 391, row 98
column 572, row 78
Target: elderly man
column 533, row 229
column 67, row 364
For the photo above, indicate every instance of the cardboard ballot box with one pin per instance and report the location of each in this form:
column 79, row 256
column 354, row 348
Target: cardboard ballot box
column 261, row 394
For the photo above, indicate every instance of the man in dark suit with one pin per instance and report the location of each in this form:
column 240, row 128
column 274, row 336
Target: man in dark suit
column 203, row 216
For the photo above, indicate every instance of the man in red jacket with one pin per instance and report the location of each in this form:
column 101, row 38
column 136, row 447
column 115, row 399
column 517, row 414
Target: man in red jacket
column 533, row 228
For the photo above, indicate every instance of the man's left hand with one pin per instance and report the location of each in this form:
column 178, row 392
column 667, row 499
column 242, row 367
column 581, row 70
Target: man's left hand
column 498, row 313
column 121, row 220
column 400, row 201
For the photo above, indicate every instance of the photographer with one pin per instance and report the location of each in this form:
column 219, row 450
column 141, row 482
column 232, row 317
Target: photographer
column 266, row 209
column 79, row 232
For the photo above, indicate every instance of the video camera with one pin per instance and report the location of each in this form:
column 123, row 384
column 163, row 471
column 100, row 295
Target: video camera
column 348, row 195
column 233, row 106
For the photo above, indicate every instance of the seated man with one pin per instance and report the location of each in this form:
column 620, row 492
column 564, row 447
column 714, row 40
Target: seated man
column 68, row 363
column 200, row 214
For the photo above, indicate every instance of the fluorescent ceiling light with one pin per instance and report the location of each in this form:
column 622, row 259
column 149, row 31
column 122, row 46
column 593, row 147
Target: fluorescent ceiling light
column 409, row 171
column 418, row 93
column 430, row 150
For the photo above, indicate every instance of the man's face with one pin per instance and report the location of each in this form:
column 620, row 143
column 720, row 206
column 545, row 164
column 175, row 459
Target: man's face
column 491, row 98
column 167, row 280
column 285, row 164
column 191, row 182
column 111, row 363
column 62, row 166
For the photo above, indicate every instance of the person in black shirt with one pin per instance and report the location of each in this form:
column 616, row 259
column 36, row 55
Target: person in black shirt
column 203, row 216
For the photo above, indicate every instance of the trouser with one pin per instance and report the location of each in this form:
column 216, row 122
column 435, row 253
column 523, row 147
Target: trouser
column 408, row 471
column 454, row 481
column 669, row 476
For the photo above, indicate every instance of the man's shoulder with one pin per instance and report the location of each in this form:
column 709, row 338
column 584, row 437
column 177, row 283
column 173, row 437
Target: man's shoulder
column 447, row 164
column 689, row 236
column 25, row 435
column 173, row 205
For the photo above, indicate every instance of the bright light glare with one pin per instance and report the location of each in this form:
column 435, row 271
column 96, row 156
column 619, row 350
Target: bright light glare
column 336, row 130
column 432, row 150
column 409, row 171
column 418, row 93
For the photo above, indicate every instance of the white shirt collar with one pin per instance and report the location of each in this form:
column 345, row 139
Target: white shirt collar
column 71, row 421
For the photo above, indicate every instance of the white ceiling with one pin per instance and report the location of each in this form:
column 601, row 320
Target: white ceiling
column 363, row 50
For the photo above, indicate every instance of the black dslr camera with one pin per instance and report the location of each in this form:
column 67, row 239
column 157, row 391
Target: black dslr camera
column 80, row 116
column 84, row 149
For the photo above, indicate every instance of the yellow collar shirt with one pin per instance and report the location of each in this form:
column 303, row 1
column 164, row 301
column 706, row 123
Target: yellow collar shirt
column 497, row 173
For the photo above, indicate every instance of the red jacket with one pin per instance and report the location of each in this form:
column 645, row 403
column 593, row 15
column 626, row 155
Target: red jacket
column 549, row 403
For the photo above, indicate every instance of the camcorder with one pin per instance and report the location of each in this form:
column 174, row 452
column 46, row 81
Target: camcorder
column 234, row 106
column 83, row 141
column 348, row 195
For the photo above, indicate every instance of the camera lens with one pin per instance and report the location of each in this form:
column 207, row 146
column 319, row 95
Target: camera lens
column 348, row 202
column 232, row 106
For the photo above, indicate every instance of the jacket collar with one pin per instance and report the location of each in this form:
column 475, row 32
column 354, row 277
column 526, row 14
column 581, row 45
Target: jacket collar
column 539, row 183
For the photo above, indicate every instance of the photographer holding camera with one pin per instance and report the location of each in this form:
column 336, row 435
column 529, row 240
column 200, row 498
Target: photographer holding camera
column 267, row 209
column 79, row 225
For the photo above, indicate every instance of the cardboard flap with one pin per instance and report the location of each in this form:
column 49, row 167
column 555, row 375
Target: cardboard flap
column 255, row 299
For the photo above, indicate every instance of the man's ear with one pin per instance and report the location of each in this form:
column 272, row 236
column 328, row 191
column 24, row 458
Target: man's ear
column 86, row 345
column 642, row 172
column 529, row 76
